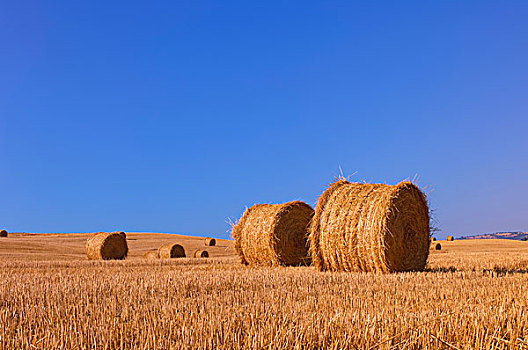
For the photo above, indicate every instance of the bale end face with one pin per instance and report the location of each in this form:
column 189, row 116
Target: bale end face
column 107, row 246
column 438, row 246
column 210, row 242
column 201, row 254
column 171, row 251
column 3, row 233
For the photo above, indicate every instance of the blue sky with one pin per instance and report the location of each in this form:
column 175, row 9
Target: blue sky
column 173, row 116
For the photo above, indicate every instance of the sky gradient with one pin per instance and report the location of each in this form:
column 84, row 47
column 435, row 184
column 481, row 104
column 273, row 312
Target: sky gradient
column 174, row 116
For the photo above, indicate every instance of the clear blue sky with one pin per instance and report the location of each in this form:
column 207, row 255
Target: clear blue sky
column 173, row 116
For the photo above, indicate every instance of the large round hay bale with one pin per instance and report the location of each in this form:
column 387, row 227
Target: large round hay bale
column 151, row 254
column 450, row 238
column 370, row 227
column 438, row 246
column 274, row 234
column 106, row 246
column 210, row 242
column 201, row 254
column 3, row 233
column 171, row 250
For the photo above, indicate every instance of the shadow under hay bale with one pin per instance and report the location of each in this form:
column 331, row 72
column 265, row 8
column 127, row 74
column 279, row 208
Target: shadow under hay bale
column 151, row 254
column 210, row 242
column 201, row 254
column 274, row 234
column 3, row 233
column 171, row 251
column 371, row 228
column 107, row 246
column 450, row 238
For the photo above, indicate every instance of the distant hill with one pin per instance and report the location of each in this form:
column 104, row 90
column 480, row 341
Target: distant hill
column 518, row 236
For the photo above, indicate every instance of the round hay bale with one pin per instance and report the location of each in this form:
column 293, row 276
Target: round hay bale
column 438, row 246
column 201, row 254
column 3, row 233
column 450, row 238
column 151, row 254
column 210, row 242
column 106, row 246
column 433, row 239
column 371, row 228
column 274, row 234
column 170, row 251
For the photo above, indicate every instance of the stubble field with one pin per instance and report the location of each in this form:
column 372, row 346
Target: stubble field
column 473, row 295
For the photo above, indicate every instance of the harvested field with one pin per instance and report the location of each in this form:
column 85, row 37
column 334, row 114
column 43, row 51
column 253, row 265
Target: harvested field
column 70, row 247
column 151, row 254
column 473, row 294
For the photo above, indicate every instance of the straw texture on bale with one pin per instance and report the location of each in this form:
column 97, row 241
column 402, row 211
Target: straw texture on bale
column 3, row 233
column 170, row 251
column 201, row 254
column 151, row 254
column 438, row 246
column 274, row 234
column 371, row 228
column 107, row 246
column 450, row 238
column 210, row 242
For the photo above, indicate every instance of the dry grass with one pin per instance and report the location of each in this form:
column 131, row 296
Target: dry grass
column 151, row 254
column 472, row 295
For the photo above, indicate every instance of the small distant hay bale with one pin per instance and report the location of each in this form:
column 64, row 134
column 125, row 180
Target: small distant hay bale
column 450, row 238
column 433, row 239
column 106, row 246
column 3, row 233
column 210, row 242
column 274, row 234
column 201, row 254
column 171, row 251
column 370, row 228
column 151, row 254
column 438, row 246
